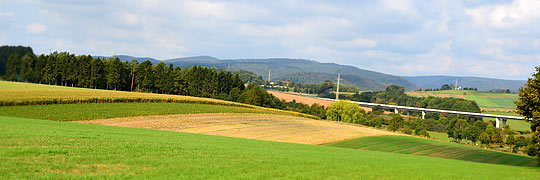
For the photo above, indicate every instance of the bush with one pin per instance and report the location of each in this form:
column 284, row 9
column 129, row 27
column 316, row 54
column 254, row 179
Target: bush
column 422, row 132
column 347, row 112
column 406, row 130
column 396, row 123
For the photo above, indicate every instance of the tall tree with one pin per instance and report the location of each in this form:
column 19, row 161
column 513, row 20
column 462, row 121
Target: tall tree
column 27, row 67
column 114, row 74
column 528, row 105
column 132, row 68
column 97, row 73
column 13, row 67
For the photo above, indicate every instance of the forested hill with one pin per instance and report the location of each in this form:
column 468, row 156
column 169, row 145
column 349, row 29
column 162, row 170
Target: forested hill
column 313, row 72
column 299, row 70
column 483, row 84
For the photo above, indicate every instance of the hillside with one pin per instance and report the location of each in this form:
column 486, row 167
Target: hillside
column 282, row 69
column 426, row 147
column 38, row 149
column 483, row 84
column 300, row 70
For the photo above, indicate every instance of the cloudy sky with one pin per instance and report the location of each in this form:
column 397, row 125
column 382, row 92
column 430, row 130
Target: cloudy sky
column 491, row 38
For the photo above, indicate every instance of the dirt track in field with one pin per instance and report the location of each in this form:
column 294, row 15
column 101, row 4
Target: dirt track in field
column 281, row 128
column 306, row 100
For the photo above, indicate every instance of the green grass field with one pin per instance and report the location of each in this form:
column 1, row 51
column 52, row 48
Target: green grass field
column 76, row 112
column 426, row 147
column 484, row 99
column 40, row 149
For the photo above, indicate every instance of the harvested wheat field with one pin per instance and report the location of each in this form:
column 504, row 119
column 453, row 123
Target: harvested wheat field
column 299, row 98
column 304, row 99
column 281, row 128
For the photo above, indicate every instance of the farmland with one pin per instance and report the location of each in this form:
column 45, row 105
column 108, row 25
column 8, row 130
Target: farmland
column 426, row 147
column 305, row 99
column 53, row 150
column 300, row 98
column 26, row 93
column 195, row 140
column 269, row 127
column 77, row 112
column 486, row 100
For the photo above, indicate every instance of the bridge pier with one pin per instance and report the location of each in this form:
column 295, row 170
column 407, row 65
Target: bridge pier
column 423, row 114
column 396, row 111
column 408, row 113
column 503, row 122
column 497, row 122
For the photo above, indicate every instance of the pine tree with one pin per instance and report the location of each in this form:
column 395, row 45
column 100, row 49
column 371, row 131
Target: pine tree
column 27, row 67
column 13, row 67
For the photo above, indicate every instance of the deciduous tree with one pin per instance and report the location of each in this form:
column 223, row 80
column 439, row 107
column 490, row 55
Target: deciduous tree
column 528, row 105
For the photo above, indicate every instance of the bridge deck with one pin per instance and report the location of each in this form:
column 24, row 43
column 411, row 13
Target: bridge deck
column 386, row 106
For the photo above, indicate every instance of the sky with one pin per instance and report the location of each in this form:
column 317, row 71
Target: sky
column 491, row 38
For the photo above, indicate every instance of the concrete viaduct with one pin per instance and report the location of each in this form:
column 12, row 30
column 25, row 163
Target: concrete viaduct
column 498, row 118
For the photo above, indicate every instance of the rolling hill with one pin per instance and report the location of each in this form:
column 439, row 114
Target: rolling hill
column 313, row 72
column 483, row 84
column 299, row 70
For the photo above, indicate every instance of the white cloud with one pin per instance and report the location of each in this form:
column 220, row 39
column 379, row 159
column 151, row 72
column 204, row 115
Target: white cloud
column 307, row 28
column 518, row 13
column 359, row 42
column 129, row 19
column 6, row 15
column 400, row 6
column 36, row 28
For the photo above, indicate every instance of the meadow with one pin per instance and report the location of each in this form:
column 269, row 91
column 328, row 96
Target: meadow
column 502, row 101
column 40, row 149
column 77, row 112
column 427, row 147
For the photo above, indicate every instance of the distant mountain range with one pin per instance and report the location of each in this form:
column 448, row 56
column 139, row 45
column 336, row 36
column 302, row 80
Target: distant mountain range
column 311, row 72
column 298, row 70
column 483, row 84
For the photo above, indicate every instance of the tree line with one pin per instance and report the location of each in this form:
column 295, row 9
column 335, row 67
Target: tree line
column 99, row 73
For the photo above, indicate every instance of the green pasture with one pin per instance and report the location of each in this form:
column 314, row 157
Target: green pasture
column 76, row 112
column 40, row 149
column 484, row 99
column 426, row 147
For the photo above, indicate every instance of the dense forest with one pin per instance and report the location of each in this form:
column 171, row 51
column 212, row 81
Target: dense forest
column 6, row 51
column 85, row 71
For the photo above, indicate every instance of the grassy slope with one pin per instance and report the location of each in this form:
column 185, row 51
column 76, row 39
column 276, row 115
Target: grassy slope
column 425, row 147
column 484, row 99
column 76, row 112
column 46, row 149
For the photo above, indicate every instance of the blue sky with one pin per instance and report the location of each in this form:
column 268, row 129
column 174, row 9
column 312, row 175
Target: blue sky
column 499, row 39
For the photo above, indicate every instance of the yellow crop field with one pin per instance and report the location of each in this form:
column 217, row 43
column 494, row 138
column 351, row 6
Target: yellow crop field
column 27, row 92
column 270, row 127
